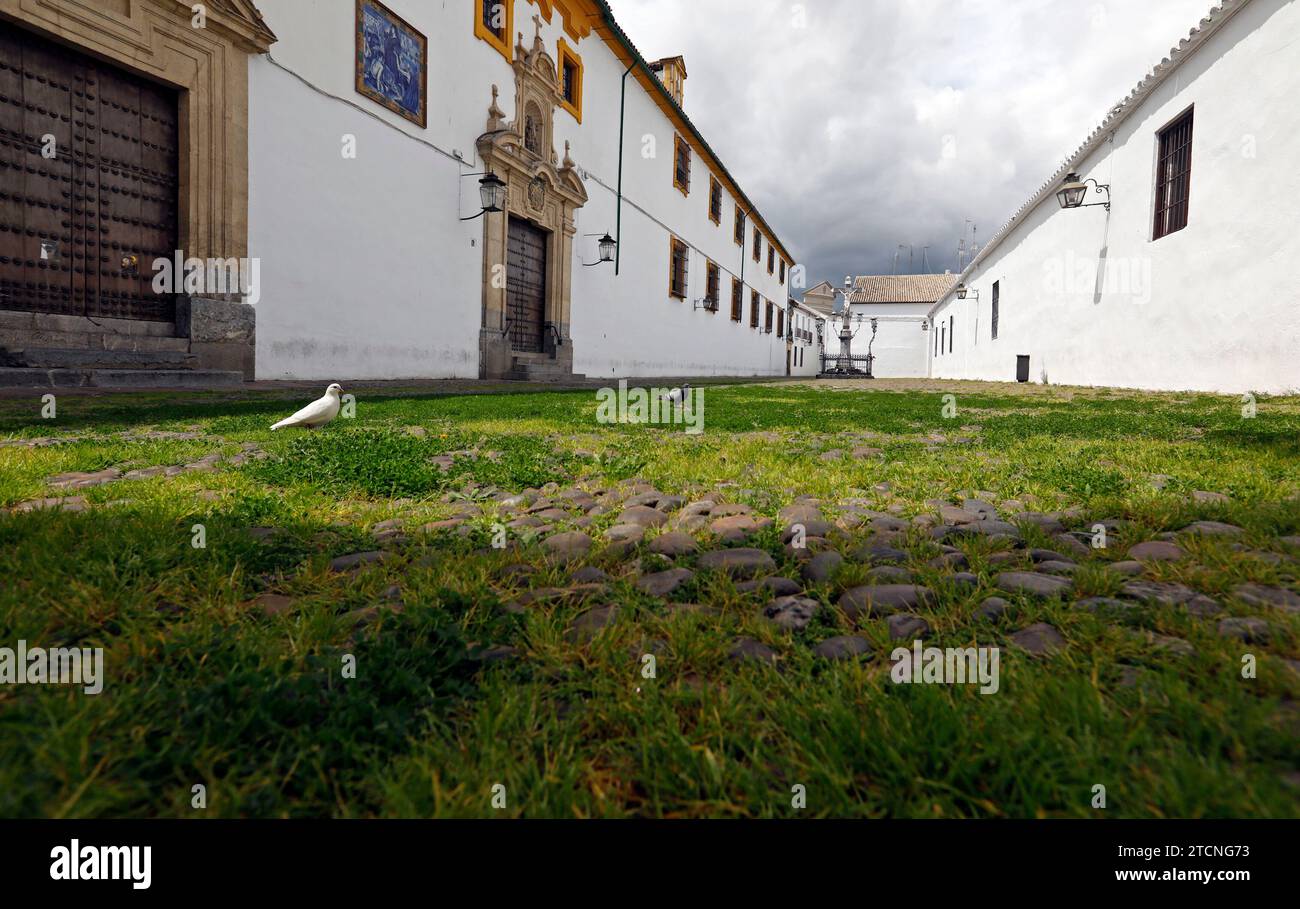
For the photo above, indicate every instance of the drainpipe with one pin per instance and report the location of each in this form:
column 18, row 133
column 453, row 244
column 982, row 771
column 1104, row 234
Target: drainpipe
column 618, row 230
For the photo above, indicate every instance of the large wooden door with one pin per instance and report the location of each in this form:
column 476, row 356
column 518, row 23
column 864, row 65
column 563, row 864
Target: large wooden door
column 88, row 183
column 526, row 285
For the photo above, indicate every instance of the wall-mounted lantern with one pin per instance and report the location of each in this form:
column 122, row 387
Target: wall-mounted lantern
column 607, row 246
column 963, row 291
column 492, row 194
column 1073, row 191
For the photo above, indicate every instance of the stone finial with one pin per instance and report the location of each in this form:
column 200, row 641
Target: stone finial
column 496, row 116
column 568, row 162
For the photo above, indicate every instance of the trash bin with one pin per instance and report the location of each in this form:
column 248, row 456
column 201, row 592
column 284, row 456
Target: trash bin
column 1022, row 368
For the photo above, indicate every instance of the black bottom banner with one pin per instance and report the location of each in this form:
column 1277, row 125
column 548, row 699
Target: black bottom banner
column 330, row 858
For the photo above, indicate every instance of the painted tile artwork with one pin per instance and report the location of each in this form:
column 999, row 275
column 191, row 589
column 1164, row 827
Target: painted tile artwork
column 392, row 62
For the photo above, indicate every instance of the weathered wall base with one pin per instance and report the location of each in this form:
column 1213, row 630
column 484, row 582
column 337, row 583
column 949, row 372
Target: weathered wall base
column 222, row 333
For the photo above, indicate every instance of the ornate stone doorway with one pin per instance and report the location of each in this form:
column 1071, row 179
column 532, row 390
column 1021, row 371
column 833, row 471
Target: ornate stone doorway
column 531, row 242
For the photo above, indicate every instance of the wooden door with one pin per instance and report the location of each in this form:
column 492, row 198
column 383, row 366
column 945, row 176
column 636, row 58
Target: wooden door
column 88, row 179
column 526, row 285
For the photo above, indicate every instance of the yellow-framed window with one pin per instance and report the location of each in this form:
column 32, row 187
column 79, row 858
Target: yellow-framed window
column 715, row 200
column 570, row 78
column 712, row 286
column 753, row 309
column 758, row 245
column 771, row 259
column 494, row 21
column 682, row 165
column 740, row 227
column 737, row 300
column 678, row 262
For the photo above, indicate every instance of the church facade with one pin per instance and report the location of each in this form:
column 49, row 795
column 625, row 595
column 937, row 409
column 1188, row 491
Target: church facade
column 356, row 189
column 367, row 209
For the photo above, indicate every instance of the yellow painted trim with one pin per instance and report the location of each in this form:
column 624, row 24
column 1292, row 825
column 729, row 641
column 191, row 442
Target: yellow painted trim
column 577, row 22
column 678, row 144
column 565, row 52
column 501, row 45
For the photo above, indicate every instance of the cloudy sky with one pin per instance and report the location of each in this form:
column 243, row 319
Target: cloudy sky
column 859, row 125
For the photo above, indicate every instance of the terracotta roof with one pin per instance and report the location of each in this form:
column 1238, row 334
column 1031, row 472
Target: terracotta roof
column 1210, row 23
column 901, row 288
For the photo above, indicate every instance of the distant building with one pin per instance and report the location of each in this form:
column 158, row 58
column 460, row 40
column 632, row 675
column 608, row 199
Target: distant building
column 899, row 304
column 803, row 339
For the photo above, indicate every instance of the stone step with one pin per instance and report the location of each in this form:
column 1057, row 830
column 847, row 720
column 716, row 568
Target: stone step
column 25, row 339
column 539, row 373
column 198, row 379
column 76, row 358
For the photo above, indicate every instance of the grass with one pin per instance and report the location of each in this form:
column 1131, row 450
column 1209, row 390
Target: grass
column 203, row 689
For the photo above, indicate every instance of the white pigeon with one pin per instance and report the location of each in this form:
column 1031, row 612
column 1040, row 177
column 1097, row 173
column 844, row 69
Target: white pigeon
column 317, row 413
column 678, row 396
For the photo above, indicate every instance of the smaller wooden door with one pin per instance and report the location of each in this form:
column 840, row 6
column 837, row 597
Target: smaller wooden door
column 526, row 285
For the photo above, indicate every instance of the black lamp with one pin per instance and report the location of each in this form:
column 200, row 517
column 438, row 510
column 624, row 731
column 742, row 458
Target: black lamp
column 492, row 194
column 492, row 190
column 1073, row 191
column 607, row 245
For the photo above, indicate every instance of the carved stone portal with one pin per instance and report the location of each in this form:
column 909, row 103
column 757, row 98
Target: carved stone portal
column 542, row 189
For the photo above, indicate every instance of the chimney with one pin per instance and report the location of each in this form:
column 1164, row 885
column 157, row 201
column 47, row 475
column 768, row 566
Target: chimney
column 672, row 72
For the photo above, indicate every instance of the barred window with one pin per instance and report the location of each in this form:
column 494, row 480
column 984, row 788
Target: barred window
column 711, row 289
column 997, row 299
column 753, row 309
column 682, row 165
column 715, row 200
column 494, row 17
column 737, row 300
column 677, row 262
column 1173, row 177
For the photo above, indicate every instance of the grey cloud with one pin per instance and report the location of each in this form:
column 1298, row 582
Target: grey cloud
column 883, row 122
